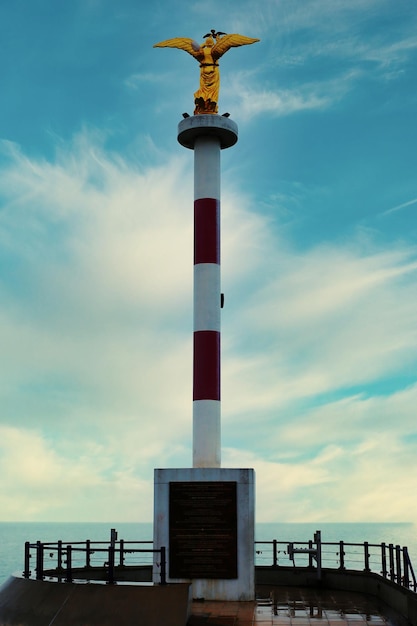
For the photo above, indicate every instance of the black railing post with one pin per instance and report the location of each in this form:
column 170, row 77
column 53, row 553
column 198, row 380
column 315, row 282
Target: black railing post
column 406, row 561
column 39, row 560
column 410, row 572
column 274, row 553
column 310, row 556
column 112, row 550
column 366, row 556
column 110, row 577
column 88, row 553
column 122, row 552
column 391, row 561
column 68, row 577
column 398, row 564
column 163, row 566
column 384, row 560
column 59, row 555
column 342, row 555
column 26, row 571
column 317, row 540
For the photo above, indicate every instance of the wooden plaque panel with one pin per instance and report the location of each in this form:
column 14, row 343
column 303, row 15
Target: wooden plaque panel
column 203, row 529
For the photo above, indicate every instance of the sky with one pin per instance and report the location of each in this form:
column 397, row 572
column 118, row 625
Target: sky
column 319, row 256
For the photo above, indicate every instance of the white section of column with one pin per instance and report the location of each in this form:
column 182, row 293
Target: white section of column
column 207, row 167
column 207, row 296
column 206, row 433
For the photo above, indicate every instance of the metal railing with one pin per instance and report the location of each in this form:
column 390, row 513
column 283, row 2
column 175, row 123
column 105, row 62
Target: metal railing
column 107, row 560
column 388, row 560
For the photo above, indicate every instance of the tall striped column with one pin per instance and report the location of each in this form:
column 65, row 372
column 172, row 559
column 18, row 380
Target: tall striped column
column 206, row 135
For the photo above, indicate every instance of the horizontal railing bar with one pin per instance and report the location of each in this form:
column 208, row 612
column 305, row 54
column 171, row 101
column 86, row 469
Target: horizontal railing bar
column 323, row 543
column 130, row 550
column 92, row 543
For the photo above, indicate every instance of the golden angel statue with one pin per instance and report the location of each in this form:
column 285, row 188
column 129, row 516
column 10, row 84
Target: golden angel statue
column 207, row 54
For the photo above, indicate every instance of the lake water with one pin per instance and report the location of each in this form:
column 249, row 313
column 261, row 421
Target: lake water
column 14, row 535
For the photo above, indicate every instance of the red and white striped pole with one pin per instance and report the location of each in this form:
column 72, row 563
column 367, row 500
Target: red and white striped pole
column 206, row 135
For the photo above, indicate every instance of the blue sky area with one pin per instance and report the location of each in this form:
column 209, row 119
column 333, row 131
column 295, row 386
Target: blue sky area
column 319, row 256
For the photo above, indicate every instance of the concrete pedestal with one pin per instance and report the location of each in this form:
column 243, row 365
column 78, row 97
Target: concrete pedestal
column 205, row 517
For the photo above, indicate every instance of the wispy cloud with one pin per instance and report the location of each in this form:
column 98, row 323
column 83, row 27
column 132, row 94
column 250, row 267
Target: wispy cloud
column 307, row 96
column 306, row 367
column 346, row 39
column 136, row 81
column 327, row 320
column 96, row 342
column 360, row 482
column 399, row 207
column 42, row 481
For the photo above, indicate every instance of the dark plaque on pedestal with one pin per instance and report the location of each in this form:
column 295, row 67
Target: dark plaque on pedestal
column 202, row 530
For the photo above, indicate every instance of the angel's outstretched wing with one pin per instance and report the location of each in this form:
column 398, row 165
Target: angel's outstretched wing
column 183, row 43
column 229, row 41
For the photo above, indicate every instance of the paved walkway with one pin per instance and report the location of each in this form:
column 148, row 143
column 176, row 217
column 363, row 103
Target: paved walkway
column 288, row 606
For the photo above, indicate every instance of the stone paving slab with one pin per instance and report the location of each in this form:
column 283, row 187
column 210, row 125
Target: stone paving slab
column 289, row 606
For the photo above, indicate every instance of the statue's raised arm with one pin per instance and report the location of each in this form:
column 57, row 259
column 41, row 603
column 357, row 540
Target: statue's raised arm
column 214, row 46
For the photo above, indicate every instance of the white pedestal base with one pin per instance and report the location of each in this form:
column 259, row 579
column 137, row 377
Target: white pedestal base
column 241, row 588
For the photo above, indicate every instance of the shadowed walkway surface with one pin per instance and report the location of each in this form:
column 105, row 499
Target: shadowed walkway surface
column 28, row 602
column 289, row 606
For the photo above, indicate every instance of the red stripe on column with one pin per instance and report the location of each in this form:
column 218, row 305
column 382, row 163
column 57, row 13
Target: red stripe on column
column 206, row 231
column 206, row 365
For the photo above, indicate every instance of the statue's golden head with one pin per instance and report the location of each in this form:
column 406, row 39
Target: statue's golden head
column 209, row 43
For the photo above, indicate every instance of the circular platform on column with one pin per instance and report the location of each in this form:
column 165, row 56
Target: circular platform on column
column 190, row 128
